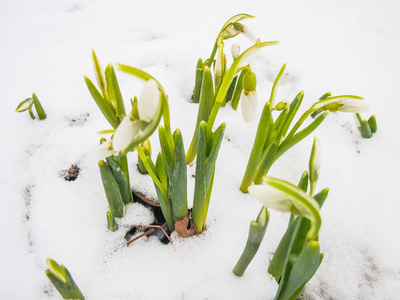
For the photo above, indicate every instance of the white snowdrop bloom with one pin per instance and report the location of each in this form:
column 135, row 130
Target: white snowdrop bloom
column 235, row 50
column 232, row 31
column 149, row 101
column 354, row 105
column 105, row 149
column 126, row 132
column 249, row 34
column 351, row 104
column 248, row 105
column 271, row 197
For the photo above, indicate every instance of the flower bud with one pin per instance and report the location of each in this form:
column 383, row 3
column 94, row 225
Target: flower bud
column 235, row 50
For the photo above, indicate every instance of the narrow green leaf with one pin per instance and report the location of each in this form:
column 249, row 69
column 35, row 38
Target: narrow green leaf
column 200, row 191
column 24, row 105
column 114, row 93
column 256, row 151
column 205, row 107
column 31, row 113
column 98, row 73
column 112, row 190
column 256, row 235
column 104, row 107
column 215, row 144
column 39, row 108
column 198, row 81
column 372, row 124
column 265, row 164
column 179, row 180
column 304, row 268
column 238, row 90
column 167, row 152
column 293, row 108
column 120, row 178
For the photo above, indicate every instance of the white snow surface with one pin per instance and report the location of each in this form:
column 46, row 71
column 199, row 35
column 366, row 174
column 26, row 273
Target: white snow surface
column 343, row 46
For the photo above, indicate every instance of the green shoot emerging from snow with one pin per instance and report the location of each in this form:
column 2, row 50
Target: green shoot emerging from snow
column 28, row 104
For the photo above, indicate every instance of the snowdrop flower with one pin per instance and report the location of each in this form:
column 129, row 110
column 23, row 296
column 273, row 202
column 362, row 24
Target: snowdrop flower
column 105, row 149
column 149, row 101
column 127, row 131
column 351, row 104
column 249, row 34
column 248, row 104
column 219, row 65
column 271, row 197
column 315, row 159
column 235, row 50
column 249, row 99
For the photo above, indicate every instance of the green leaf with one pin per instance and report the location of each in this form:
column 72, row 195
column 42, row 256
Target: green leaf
column 63, row 281
column 114, row 93
column 238, row 90
column 121, row 179
column 112, row 191
column 256, row 235
column 198, row 81
column 104, row 107
column 99, row 76
column 372, row 124
column 24, row 105
column 304, row 268
column 205, row 107
column 200, row 190
column 256, row 151
column 179, row 180
column 39, row 108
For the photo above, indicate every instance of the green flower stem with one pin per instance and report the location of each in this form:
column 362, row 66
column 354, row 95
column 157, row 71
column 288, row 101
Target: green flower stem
column 303, row 184
column 228, row 77
column 146, row 146
column 275, row 86
column 258, row 145
column 63, row 281
column 256, row 235
column 213, row 52
column 39, row 108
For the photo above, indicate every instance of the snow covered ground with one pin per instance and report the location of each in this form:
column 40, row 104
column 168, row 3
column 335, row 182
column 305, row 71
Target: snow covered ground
column 346, row 47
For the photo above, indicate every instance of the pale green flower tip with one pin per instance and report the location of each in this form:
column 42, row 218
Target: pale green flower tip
column 149, row 101
column 249, row 82
column 56, row 269
column 248, row 105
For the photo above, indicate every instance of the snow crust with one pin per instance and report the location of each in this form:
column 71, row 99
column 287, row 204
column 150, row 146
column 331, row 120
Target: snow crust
column 346, row 47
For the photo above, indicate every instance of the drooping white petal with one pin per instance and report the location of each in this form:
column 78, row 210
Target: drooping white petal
column 149, row 101
column 249, row 34
column 218, row 63
column 248, row 105
column 126, row 132
column 235, row 50
column 271, row 197
column 105, row 149
column 354, row 105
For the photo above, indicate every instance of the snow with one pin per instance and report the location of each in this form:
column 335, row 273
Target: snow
column 346, row 47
